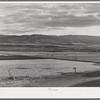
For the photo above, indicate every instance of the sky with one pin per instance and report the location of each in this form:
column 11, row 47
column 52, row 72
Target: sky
column 50, row 18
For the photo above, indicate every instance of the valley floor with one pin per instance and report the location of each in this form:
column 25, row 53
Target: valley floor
column 64, row 80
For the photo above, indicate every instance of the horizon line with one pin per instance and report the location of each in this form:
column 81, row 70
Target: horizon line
column 49, row 35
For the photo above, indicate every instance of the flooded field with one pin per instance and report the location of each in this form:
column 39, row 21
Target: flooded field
column 43, row 67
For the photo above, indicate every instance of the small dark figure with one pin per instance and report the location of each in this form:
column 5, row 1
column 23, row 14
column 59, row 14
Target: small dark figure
column 75, row 70
column 11, row 78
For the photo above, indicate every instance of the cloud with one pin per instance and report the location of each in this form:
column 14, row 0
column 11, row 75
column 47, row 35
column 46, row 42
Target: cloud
column 18, row 18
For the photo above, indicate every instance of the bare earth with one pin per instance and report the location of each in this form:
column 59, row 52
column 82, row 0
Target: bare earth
column 63, row 80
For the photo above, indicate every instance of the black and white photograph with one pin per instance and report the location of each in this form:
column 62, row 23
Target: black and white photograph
column 49, row 44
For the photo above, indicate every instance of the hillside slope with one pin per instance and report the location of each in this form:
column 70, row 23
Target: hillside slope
column 50, row 43
column 45, row 39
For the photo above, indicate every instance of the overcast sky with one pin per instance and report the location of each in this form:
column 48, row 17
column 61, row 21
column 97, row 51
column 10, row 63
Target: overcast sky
column 50, row 18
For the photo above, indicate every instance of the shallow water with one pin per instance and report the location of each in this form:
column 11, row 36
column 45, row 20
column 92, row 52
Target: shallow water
column 42, row 67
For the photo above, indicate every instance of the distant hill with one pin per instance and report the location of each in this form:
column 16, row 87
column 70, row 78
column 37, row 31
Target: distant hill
column 45, row 39
column 33, row 39
column 47, row 43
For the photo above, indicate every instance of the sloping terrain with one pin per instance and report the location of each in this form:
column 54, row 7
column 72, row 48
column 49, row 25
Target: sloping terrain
column 49, row 43
column 45, row 39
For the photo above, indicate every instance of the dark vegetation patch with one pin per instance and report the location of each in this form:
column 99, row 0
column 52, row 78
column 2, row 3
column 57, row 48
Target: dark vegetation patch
column 70, row 74
column 20, row 57
column 12, row 78
column 98, row 64
column 92, row 74
column 22, row 68
column 48, row 68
